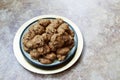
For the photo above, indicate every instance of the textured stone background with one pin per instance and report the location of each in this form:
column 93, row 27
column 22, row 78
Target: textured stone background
column 98, row 20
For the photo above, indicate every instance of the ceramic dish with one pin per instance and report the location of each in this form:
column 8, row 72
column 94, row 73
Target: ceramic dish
column 22, row 60
column 55, row 64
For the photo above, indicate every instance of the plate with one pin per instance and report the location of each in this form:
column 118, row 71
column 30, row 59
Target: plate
column 28, row 66
column 55, row 64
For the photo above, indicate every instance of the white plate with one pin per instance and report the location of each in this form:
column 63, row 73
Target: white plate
column 31, row 68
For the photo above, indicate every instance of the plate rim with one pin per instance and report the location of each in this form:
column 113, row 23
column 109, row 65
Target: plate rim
column 20, row 58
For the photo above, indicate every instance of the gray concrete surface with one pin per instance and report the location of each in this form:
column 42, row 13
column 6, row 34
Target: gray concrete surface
column 98, row 20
